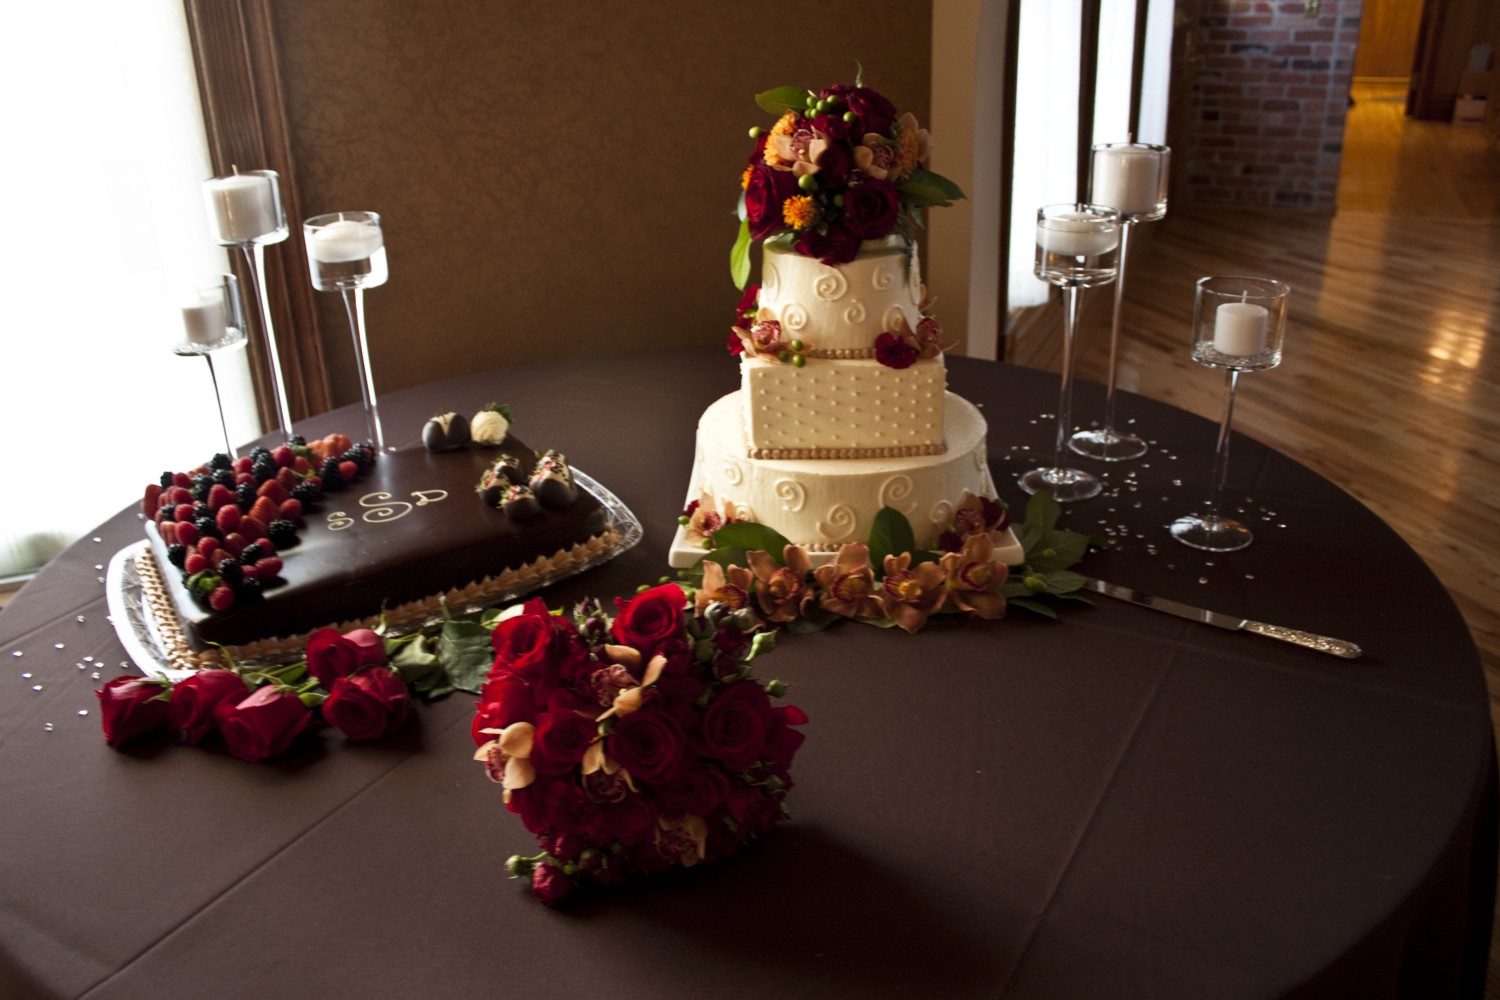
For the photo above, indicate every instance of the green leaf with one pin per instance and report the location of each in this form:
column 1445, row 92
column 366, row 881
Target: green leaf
column 922, row 195
column 739, row 257
column 779, row 100
column 751, row 536
column 931, row 179
column 465, row 652
column 726, row 556
column 1057, row 550
column 740, row 211
column 1063, row 581
column 890, row 535
column 1042, row 512
column 418, row 666
column 491, row 617
column 1035, row 607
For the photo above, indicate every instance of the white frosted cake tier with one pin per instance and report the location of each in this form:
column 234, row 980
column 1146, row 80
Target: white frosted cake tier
column 839, row 311
column 843, row 409
column 823, row 504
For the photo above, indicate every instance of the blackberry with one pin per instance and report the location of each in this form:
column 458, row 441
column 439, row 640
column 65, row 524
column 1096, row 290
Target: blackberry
column 201, row 509
column 259, row 452
column 248, row 587
column 202, row 483
column 254, row 552
column 220, row 461
column 232, row 573
column 296, row 441
column 177, row 554
column 282, row 533
column 306, row 492
column 207, row 528
column 167, row 480
column 264, row 468
column 329, row 473
column 224, row 477
column 167, row 513
column 244, row 495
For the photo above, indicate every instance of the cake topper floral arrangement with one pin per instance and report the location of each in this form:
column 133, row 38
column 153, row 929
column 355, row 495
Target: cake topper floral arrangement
column 838, row 166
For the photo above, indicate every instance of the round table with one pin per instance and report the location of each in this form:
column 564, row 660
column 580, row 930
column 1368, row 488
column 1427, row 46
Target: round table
column 1118, row 803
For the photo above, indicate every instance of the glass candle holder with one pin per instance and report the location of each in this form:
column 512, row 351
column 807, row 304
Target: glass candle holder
column 1077, row 247
column 1238, row 325
column 244, row 211
column 346, row 254
column 213, row 320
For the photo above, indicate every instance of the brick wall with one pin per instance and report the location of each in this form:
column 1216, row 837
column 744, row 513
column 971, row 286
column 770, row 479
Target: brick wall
column 1267, row 90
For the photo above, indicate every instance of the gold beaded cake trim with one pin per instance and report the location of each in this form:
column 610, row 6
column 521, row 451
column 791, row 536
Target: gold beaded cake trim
column 514, row 581
column 893, row 451
column 840, row 353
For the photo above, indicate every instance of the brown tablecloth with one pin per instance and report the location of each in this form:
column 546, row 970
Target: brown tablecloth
column 1119, row 804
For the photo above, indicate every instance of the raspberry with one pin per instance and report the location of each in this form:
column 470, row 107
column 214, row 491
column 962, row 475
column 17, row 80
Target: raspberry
column 207, row 547
column 291, row 509
column 221, row 598
column 194, row 562
column 283, row 456
column 268, row 568
column 243, row 464
column 187, row 532
column 180, row 495
column 273, row 490
column 228, row 517
column 265, row 510
column 235, row 542
column 252, row 527
column 348, row 470
column 248, row 570
column 301, row 466
column 182, row 480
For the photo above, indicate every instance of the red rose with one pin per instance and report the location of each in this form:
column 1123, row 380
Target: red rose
column 560, row 740
column 782, row 741
column 752, row 809
column 629, row 820
column 834, row 247
column 870, row 208
column 503, row 701
column 648, row 745
column 330, row 655
column 195, row 698
column 747, row 307
column 367, row 705
column 697, row 791
column 541, row 647
column 550, row 883
column 651, row 619
column 370, row 645
column 767, row 190
column 875, row 113
column 130, row 706
column 735, row 725
column 893, row 352
column 263, row 724
column 566, row 809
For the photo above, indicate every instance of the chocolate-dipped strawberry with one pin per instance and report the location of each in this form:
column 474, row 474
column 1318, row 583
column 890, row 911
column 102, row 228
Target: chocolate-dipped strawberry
column 490, row 425
column 509, row 466
column 492, row 486
column 519, row 503
column 445, row 432
column 553, row 484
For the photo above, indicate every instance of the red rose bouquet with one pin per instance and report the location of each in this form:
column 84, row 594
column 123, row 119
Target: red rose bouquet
column 633, row 745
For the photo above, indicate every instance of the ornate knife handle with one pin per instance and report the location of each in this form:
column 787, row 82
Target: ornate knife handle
column 1311, row 640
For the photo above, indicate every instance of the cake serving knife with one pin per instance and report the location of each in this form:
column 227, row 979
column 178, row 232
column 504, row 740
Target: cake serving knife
column 1309, row 640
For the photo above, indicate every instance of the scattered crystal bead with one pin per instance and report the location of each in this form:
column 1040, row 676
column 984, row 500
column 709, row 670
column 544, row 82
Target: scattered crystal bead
column 26, row 677
column 36, row 687
column 47, row 727
column 83, row 711
column 57, row 645
column 80, row 618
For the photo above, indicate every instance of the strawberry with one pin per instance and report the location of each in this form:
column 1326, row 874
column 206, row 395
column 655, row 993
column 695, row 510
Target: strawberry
column 268, row 567
column 187, row 532
column 195, row 563
column 182, row 480
column 207, row 547
column 151, row 502
column 291, row 509
column 227, row 517
column 283, row 456
column 301, row 466
column 241, row 478
column 253, row 528
column 180, row 495
column 221, row 598
column 182, row 513
column 265, row 509
column 272, row 489
column 221, row 555
column 235, row 542
column 287, row 478
column 249, row 572
column 348, row 470
column 168, row 532
column 219, row 495
column 243, row 465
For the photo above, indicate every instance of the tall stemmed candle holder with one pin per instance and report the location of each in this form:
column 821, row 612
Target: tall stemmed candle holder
column 1238, row 325
column 244, row 211
column 346, row 254
column 214, row 321
column 1131, row 178
column 1077, row 247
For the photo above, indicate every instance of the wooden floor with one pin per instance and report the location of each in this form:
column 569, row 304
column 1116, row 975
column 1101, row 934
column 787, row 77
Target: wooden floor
column 1390, row 385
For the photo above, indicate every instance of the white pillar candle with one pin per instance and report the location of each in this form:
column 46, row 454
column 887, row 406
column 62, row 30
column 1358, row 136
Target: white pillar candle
column 241, row 207
column 1075, row 234
column 344, row 240
column 204, row 320
column 1240, row 329
column 1126, row 179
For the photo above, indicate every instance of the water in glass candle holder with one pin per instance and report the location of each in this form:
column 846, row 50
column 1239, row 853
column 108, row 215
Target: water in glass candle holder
column 345, row 250
column 1077, row 245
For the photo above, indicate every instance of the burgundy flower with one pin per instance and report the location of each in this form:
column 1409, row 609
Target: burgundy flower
column 782, row 741
column 263, row 724
column 648, row 745
column 870, row 208
column 330, row 656
column 505, row 699
column 130, row 706
column 194, row 699
column 550, row 883
column 735, row 725
column 650, row 619
column 697, row 791
column 894, row 352
column 835, row 246
column 566, row 809
column 746, row 309
column 367, row 705
column 561, row 738
column 629, row 819
column 767, row 190
column 875, row 113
